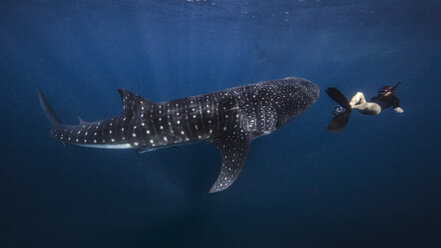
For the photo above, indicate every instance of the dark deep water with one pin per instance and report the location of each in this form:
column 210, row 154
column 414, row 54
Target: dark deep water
column 378, row 184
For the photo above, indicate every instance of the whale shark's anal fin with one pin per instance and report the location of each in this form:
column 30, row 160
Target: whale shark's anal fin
column 234, row 148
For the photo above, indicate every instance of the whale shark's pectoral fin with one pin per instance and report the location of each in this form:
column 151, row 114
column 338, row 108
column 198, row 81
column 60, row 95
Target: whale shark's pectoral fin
column 234, row 149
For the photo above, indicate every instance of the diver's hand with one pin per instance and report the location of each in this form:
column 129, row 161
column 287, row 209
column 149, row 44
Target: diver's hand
column 398, row 110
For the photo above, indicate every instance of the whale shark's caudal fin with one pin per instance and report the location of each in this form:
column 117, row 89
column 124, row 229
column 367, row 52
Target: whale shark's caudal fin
column 234, row 148
column 47, row 109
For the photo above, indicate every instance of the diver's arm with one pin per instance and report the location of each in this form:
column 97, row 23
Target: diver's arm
column 396, row 106
column 398, row 110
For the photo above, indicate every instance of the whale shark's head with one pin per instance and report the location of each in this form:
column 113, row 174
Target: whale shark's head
column 295, row 95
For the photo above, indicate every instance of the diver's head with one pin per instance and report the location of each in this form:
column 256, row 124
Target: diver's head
column 388, row 90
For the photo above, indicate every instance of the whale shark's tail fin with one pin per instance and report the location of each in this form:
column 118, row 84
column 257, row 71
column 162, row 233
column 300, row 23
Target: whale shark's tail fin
column 47, row 109
column 338, row 123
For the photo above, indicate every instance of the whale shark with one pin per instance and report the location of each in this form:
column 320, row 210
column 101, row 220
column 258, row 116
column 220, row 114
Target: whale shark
column 230, row 119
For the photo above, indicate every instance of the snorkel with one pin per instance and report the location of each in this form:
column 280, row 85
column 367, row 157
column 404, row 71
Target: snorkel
column 395, row 86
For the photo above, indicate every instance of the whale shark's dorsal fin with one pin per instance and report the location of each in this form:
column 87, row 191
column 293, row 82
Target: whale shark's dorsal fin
column 133, row 103
column 83, row 121
column 234, row 148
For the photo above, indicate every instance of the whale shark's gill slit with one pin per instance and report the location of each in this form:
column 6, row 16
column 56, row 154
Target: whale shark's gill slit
column 234, row 148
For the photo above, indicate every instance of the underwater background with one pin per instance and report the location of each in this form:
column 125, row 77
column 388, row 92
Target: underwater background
column 378, row 184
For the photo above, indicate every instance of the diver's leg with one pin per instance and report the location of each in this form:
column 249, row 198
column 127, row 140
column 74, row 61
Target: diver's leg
column 373, row 108
column 368, row 108
column 358, row 98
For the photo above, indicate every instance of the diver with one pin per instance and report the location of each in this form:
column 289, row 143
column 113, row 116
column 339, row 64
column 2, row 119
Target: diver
column 386, row 98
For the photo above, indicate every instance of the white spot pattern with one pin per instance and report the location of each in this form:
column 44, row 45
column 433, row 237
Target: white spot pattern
column 228, row 118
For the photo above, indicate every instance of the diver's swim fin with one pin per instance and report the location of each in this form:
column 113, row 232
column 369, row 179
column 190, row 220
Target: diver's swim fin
column 339, row 98
column 338, row 123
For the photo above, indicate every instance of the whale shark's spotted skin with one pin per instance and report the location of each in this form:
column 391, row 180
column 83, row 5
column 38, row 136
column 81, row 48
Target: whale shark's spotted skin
column 230, row 119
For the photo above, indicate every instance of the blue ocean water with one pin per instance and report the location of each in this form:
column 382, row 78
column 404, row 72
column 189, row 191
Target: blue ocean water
column 378, row 184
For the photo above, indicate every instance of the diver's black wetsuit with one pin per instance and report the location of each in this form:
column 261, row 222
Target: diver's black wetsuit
column 386, row 101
